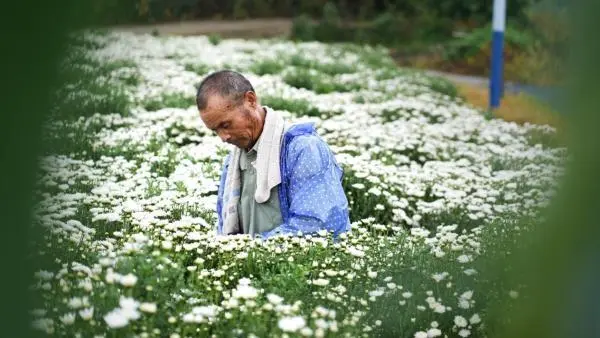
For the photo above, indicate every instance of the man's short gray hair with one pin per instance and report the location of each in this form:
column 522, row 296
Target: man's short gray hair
column 225, row 83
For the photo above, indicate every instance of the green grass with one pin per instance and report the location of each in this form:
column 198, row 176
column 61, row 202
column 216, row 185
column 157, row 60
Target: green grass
column 165, row 167
column 299, row 107
column 545, row 138
column 301, row 61
column 89, row 87
column 169, row 100
column 198, row 68
column 319, row 83
column 362, row 202
column 267, row 67
column 443, row 86
column 215, row 39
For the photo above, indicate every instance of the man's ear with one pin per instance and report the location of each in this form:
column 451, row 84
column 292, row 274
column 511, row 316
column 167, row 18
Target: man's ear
column 251, row 99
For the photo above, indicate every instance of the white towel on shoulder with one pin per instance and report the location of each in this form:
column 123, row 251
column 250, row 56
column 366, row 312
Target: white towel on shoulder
column 268, row 173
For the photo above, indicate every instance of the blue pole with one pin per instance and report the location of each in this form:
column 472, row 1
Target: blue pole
column 496, row 78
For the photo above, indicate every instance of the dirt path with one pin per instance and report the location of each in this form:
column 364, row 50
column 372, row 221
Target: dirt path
column 252, row 28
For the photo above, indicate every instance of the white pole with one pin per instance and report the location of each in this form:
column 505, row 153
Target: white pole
column 496, row 78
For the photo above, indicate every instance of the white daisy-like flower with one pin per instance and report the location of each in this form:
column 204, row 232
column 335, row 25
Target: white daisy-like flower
column 420, row 334
column 245, row 292
column 86, row 314
column 464, row 259
column 460, row 321
column 148, row 307
column 274, row 299
column 464, row 333
column 116, row 319
column 434, row 332
column 291, row 324
column 128, row 280
column 355, row 252
column 68, row 318
column 475, row 319
column 320, row 282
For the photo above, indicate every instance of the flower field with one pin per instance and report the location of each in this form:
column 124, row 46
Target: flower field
column 127, row 192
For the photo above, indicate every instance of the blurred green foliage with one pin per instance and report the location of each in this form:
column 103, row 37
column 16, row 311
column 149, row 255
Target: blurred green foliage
column 433, row 12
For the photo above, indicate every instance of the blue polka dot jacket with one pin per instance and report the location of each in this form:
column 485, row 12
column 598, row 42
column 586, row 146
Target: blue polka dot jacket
column 311, row 196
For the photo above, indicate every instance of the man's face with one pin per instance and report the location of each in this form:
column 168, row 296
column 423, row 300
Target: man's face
column 234, row 124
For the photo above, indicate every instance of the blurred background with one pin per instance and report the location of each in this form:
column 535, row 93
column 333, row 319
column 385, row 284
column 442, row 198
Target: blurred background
column 445, row 37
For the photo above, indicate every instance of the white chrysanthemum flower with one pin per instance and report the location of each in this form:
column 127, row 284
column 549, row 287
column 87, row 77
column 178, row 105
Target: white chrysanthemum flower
column 421, row 334
column 330, row 273
column 438, row 277
column 355, row 252
column 439, row 308
column 470, row 272
column 460, row 321
column 464, row 259
column 320, row 282
column 68, row 318
column 467, row 295
column 434, row 332
column 291, row 324
column 306, row 331
column 167, row 245
column 245, row 292
column 116, row 319
column 206, row 311
column 128, row 280
column 86, row 314
column 242, row 281
column 128, row 303
column 75, row 303
column 464, row 333
column 475, row 319
column 191, row 246
column 274, row 299
column 376, row 293
column 148, row 307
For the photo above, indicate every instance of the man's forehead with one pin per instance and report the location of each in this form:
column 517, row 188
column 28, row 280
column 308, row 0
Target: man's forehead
column 217, row 109
column 217, row 102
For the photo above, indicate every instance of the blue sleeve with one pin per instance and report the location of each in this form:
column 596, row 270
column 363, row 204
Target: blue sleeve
column 315, row 194
column 220, row 195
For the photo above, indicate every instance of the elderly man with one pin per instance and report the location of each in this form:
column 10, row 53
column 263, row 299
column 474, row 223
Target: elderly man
column 279, row 178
